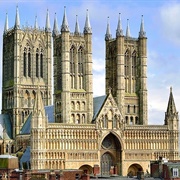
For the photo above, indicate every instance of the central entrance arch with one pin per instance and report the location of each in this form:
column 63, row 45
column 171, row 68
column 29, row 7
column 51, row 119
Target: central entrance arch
column 111, row 157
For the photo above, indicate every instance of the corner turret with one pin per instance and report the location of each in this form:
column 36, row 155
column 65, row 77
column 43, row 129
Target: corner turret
column 65, row 27
column 142, row 32
column 171, row 114
column 87, row 27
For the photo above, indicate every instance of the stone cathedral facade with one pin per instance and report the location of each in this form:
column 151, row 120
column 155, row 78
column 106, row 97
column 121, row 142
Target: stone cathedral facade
column 110, row 132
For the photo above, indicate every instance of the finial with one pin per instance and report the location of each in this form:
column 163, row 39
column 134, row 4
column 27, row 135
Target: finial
column 87, row 27
column 6, row 26
column 128, row 34
column 17, row 20
column 171, row 89
column 77, row 29
column 36, row 23
column 142, row 32
column 108, row 35
column 55, row 28
column 119, row 31
column 64, row 27
column 47, row 27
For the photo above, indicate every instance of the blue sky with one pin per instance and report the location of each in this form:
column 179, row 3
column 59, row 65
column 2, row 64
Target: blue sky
column 161, row 18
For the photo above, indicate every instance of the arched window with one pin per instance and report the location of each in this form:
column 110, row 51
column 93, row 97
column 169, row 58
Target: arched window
column 134, row 109
column 131, row 120
column 137, row 120
column 126, row 62
column 128, row 109
column 37, row 65
column 41, row 65
column 72, row 59
column 29, row 64
column 80, row 60
column 134, row 63
column 127, row 120
column 24, row 59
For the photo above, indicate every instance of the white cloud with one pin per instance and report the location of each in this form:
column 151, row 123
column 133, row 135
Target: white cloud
column 170, row 14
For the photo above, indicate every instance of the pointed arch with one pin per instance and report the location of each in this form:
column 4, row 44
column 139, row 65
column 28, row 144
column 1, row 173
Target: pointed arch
column 72, row 66
column 126, row 62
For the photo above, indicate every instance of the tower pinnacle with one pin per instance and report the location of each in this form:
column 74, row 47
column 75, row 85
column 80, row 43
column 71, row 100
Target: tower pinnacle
column 142, row 32
column 108, row 32
column 17, row 20
column 87, row 27
column 36, row 23
column 55, row 28
column 47, row 27
column 6, row 26
column 77, row 29
column 64, row 27
column 119, row 31
column 128, row 34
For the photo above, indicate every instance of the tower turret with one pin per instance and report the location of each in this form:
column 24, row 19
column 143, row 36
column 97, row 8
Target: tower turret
column 171, row 115
column 143, row 74
column 55, row 27
column 119, row 31
column 36, row 23
column 87, row 27
column 65, row 27
column 128, row 34
column 17, row 20
column 108, row 35
column 6, row 26
column 38, row 133
column 77, row 29
column 47, row 26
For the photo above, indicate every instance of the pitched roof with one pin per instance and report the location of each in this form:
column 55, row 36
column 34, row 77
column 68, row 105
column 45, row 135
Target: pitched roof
column 97, row 104
column 49, row 111
column 5, row 126
column 26, row 155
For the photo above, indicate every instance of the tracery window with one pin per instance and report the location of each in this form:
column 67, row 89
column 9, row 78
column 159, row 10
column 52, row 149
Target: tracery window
column 41, row 65
column 134, row 63
column 126, row 62
column 72, row 66
column 37, row 64
column 29, row 64
column 24, row 62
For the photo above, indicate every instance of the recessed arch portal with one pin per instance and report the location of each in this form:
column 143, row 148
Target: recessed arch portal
column 111, row 156
column 86, row 169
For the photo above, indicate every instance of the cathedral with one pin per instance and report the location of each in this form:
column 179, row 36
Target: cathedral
column 109, row 133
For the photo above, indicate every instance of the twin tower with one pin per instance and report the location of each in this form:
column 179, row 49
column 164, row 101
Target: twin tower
column 27, row 65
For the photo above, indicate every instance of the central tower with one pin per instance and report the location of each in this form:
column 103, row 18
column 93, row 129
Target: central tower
column 73, row 95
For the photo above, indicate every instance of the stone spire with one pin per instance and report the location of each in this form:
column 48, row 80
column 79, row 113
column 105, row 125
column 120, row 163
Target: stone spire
column 87, row 27
column 171, row 109
column 6, row 26
column 47, row 26
column 119, row 31
column 171, row 113
column 17, row 20
column 77, row 29
column 108, row 32
column 38, row 104
column 55, row 28
column 128, row 34
column 64, row 26
column 142, row 32
column 36, row 23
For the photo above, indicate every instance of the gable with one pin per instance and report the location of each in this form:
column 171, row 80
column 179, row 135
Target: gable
column 109, row 116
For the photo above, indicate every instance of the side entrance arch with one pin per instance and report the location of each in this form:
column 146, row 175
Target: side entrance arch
column 133, row 169
column 111, row 158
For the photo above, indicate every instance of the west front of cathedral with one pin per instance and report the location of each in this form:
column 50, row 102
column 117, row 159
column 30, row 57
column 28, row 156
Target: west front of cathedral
column 79, row 131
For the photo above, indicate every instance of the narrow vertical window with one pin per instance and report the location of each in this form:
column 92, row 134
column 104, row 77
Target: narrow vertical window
column 134, row 64
column 37, row 65
column 29, row 64
column 25, row 64
column 126, row 60
column 41, row 65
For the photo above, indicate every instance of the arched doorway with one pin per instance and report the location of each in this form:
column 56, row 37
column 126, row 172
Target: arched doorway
column 133, row 169
column 111, row 158
column 86, row 169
